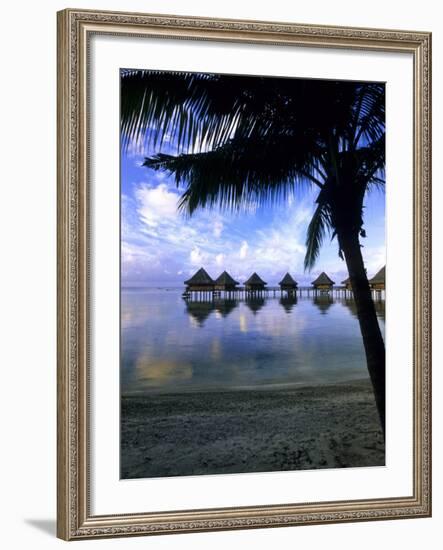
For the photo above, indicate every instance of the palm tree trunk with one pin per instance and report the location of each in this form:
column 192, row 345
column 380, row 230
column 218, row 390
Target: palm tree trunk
column 370, row 330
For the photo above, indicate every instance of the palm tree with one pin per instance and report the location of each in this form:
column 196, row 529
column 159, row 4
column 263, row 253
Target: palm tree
column 243, row 139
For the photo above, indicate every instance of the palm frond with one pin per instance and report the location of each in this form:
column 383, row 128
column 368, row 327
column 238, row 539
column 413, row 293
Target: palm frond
column 369, row 119
column 197, row 110
column 244, row 140
column 203, row 111
column 316, row 233
column 240, row 172
column 371, row 161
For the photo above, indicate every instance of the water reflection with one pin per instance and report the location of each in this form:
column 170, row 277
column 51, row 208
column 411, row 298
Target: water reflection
column 255, row 304
column 200, row 311
column 288, row 302
column 225, row 307
column 350, row 304
column 171, row 345
column 380, row 308
column 162, row 372
column 323, row 302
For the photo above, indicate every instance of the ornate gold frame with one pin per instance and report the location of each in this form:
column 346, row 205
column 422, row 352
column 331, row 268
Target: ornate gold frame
column 74, row 518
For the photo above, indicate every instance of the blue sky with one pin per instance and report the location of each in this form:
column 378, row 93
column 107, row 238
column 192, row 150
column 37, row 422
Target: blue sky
column 162, row 247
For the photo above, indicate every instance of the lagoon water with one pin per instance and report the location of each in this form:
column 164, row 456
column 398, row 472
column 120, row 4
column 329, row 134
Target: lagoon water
column 169, row 345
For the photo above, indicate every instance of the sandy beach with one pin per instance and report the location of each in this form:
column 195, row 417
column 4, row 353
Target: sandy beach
column 328, row 426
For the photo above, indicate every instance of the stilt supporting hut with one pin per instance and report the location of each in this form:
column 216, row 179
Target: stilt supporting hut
column 200, row 286
column 377, row 283
column 288, row 285
column 255, row 285
column 225, row 283
column 323, row 283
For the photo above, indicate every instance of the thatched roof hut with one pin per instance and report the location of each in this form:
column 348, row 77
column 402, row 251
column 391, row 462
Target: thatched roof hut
column 378, row 280
column 225, row 282
column 323, row 282
column 255, row 283
column 200, row 281
column 288, row 283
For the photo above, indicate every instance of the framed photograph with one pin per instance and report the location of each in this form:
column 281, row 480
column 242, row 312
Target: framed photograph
column 243, row 274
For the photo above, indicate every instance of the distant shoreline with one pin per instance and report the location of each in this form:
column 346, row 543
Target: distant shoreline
column 304, row 427
column 182, row 286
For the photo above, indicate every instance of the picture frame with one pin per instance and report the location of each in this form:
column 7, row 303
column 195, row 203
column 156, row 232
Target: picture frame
column 75, row 517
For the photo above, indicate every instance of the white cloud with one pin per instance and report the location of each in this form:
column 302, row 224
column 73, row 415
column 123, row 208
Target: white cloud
column 243, row 250
column 374, row 258
column 190, row 243
column 196, row 257
column 155, row 204
column 162, row 239
column 218, row 228
column 281, row 247
column 136, row 148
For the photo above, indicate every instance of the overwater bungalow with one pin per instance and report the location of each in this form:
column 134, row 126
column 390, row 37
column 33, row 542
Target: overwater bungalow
column 323, row 283
column 288, row 284
column 226, row 282
column 255, row 284
column 378, row 280
column 200, row 283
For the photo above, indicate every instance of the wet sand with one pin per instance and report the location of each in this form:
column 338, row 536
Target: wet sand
column 309, row 427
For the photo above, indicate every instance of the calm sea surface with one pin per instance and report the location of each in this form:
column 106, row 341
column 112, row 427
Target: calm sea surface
column 169, row 345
